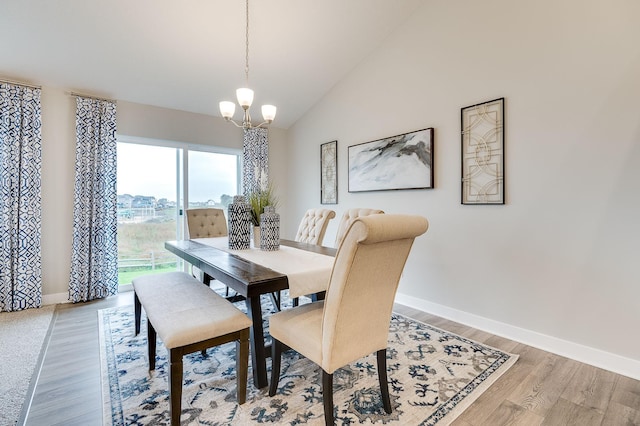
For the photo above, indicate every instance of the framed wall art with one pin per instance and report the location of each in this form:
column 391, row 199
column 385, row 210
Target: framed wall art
column 483, row 153
column 399, row 162
column 329, row 173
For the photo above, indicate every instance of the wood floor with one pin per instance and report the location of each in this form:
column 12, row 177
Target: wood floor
column 540, row 389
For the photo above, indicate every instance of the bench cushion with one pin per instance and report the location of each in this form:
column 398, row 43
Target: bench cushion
column 184, row 311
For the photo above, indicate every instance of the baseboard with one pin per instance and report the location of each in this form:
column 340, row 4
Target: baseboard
column 588, row 355
column 55, row 298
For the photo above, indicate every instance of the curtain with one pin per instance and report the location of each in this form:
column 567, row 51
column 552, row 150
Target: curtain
column 94, row 256
column 255, row 159
column 20, row 198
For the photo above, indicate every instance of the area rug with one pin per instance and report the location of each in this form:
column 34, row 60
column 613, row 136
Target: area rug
column 22, row 335
column 433, row 376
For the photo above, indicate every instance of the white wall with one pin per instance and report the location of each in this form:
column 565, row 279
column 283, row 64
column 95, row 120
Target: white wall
column 58, row 171
column 557, row 265
column 58, row 166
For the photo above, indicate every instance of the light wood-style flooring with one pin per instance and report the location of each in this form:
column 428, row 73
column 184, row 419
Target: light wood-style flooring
column 540, row 389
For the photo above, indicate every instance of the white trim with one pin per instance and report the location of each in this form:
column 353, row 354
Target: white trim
column 55, row 298
column 586, row 354
column 176, row 144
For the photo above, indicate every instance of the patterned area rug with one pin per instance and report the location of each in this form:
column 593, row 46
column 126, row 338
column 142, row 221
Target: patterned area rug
column 433, row 376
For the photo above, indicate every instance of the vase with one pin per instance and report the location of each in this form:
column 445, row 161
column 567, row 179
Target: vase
column 269, row 229
column 256, row 236
column 239, row 224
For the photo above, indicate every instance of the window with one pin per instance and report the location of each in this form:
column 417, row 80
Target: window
column 156, row 179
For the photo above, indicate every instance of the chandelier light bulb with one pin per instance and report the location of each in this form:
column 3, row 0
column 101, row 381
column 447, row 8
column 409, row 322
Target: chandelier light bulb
column 245, row 97
column 268, row 113
column 227, row 109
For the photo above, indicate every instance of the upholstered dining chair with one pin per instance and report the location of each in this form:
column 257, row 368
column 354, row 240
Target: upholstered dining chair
column 347, row 219
column 313, row 226
column 353, row 320
column 206, row 223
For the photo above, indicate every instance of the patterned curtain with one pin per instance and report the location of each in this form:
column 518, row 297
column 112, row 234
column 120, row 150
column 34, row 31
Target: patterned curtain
column 255, row 159
column 20, row 199
column 94, row 258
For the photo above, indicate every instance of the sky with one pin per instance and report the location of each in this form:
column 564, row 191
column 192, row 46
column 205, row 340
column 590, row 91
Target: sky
column 150, row 170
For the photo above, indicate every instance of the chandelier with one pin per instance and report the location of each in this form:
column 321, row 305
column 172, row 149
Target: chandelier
column 245, row 96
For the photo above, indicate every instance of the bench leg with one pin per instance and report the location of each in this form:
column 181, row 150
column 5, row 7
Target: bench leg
column 137, row 308
column 151, row 345
column 242, row 365
column 175, row 386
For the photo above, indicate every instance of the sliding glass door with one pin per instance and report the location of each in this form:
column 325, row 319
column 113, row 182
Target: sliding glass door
column 213, row 179
column 155, row 181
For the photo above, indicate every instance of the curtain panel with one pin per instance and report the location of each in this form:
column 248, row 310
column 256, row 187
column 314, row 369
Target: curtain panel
column 94, row 256
column 20, row 198
column 255, row 161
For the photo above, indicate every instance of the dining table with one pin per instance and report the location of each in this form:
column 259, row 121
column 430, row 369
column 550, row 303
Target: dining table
column 303, row 269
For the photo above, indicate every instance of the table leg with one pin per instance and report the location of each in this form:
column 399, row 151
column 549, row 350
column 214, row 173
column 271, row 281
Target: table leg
column 258, row 351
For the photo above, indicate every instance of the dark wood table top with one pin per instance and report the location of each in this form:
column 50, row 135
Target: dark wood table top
column 247, row 278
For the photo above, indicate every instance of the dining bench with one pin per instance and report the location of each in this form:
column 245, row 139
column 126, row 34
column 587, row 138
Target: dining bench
column 189, row 317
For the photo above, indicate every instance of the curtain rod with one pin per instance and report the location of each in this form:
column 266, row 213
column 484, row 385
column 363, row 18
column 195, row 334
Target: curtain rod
column 19, row 83
column 80, row 95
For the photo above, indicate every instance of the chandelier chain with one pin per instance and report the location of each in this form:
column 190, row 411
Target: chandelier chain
column 246, row 58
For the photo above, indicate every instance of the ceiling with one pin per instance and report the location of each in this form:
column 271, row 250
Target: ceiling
column 190, row 54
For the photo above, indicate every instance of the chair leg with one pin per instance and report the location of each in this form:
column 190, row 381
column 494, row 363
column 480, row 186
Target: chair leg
column 137, row 309
column 151, row 345
column 175, row 386
column 276, row 355
column 382, row 378
column 242, row 365
column 275, row 300
column 327, row 397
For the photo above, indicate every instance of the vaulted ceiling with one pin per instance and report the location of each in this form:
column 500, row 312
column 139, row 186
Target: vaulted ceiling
column 190, row 54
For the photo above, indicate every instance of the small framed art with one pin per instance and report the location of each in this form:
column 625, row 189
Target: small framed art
column 329, row 173
column 399, row 162
column 483, row 153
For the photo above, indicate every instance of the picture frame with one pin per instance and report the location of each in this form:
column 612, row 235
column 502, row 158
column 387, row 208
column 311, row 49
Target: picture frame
column 482, row 153
column 329, row 173
column 403, row 161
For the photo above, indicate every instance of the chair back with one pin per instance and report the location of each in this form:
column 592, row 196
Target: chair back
column 363, row 284
column 314, row 225
column 206, row 223
column 348, row 217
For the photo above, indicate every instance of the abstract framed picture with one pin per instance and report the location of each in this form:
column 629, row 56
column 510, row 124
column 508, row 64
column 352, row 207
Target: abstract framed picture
column 483, row 153
column 329, row 173
column 399, row 162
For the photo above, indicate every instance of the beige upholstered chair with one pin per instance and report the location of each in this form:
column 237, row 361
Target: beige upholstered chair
column 312, row 228
column 353, row 320
column 347, row 219
column 314, row 225
column 206, row 223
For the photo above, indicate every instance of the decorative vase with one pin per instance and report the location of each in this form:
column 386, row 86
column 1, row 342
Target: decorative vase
column 256, row 236
column 269, row 229
column 239, row 224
